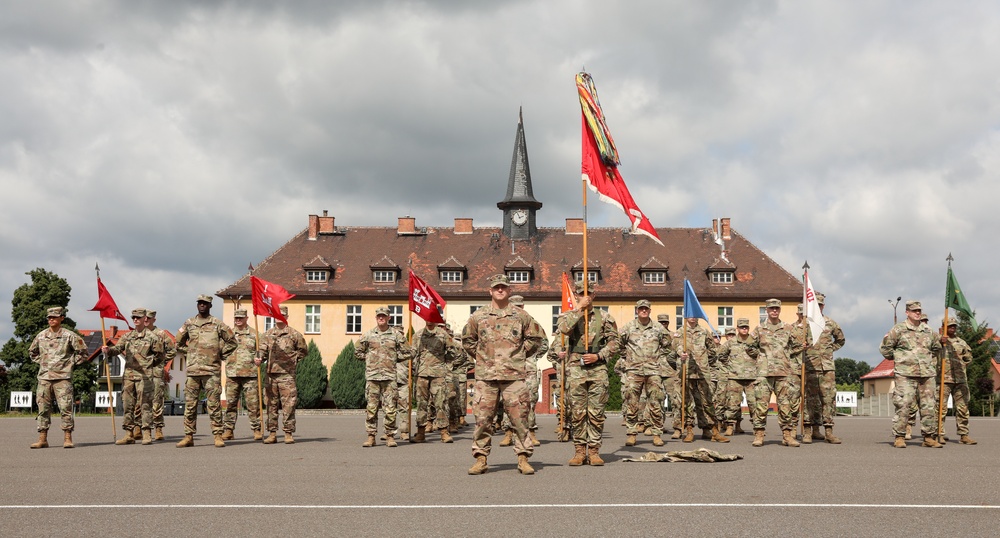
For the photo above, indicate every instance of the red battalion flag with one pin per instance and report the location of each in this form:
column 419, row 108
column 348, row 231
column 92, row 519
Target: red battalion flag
column 106, row 304
column 568, row 299
column 267, row 297
column 600, row 159
column 424, row 301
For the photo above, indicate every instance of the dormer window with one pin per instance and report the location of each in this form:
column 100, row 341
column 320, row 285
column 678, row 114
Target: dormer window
column 383, row 276
column 591, row 276
column 722, row 277
column 314, row 275
column 451, row 276
column 519, row 277
column 654, row 277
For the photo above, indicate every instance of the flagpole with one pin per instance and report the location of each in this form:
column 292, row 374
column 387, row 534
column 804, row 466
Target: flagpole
column 409, row 375
column 107, row 369
column 684, row 365
column 802, row 386
column 256, row 353
column 586, row 273
column 944, row 361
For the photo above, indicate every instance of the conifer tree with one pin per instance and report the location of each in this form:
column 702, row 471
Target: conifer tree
column 311, row 379
column 347, row 380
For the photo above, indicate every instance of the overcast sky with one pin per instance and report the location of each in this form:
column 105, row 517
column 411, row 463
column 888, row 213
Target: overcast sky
column 176, row 142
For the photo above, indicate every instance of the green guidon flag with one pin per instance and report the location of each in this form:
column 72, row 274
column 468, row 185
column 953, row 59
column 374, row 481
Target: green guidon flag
column 954, row 298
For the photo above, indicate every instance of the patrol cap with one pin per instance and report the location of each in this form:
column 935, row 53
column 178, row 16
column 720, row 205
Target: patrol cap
column 381, row 311
column 150, row 313
column 952, row 322
column 55, row 312
column 284, row 311
column 820, row 298
column 773, row 303
column 517, row 300
column 138, row 312
column 642, row 303
column 499, row 280
column 800, row 309
column 663, row 318
column 913, row 305
column 204, row 299
column 743, row 322
column 240, row 313
column 579, row 286
column 730, row 332
column 924, row 318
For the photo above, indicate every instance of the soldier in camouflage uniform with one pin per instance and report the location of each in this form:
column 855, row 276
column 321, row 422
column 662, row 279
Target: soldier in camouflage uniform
column 821, row 380
column 671, row 387
column 720, row 396
column 912, row 346
column 384, row 350
column 591, row 340
column 500, row 337
column 557, row 357
column 957, row 354
column 911, row 420
column 141, row 350
column 433, row 356
column 56, row 350
column 457, row 376
column 645, row 345
column 203, row 342
column 282, row 347
column 241, row 378
column 404, row 393
column 739, row 355
column 777, row 343
column 160, row 368
column 700, row 355
column 531, row 381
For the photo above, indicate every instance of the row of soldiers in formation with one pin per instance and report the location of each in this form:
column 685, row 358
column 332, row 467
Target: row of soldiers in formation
column 203, row 342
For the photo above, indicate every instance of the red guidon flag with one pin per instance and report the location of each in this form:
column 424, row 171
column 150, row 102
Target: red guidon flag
column 267, row 297
column 106, row 304
column 568, row 299
column 424, row 301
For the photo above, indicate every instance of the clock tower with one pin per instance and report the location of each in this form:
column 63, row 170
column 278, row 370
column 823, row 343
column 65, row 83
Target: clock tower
column 519, row 206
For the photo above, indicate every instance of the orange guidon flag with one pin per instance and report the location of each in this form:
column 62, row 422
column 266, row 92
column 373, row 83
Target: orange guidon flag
column 568, row 301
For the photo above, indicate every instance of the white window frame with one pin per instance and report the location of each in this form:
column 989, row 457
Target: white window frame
column 578, row 276
column 519, row 277
column 313, row 319
column 473, row 308
column 725, row 317
column 762, row 314
column 451, row 276
column 654, row 277
column 679, row 316
column 353, row 325
column 317, row 275
column 268, row 323
column 383, row 276
column 722, row 277
column 395, row 315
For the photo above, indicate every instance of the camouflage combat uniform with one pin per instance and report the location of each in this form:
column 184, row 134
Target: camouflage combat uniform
column 142, row 350
column 159, row 375
column 241, row 380
column 701, row 349
column 203, row 343
column 56, row 353
column 531, row 383
column 958, row 355
column 457, row 377
column 912, row 349
column 282, row 348
column 588, row 384
column 386, row 354
column 821, row 375
column 433, row 355
column 777, row 344
column 645, row 349
column 740, row 357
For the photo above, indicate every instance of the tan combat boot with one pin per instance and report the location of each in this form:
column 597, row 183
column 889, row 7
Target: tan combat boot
column 446, row 437
column 909, row 432
column 688, row 435
column 419, row 437
column 43, row 440
column 147, row 437
column 657, row 440
column 647, row 431
column 730, row 428
column 966, row 440
column 830, row 437
column 788, row 438
column 257, row 435
column 68, row 439
column 718, row 437
column 187, row 441
column 564, row 436
column 127, row 440
column 579, row 456
column 758, row 438
column 900, row 442
column 523, row 466
column 817, row 435
column 219, row 443
column 136, row 432
column 534, row 440
column 807, row 435
column 508, row 438
column 227, row 435
column 480, row 467
column 676, row 434
column 289, row 439
column 390, row 441
column 930, row 442
column 630, row 439
column 461, row 422
column 370, row 442
column 594, row 457
column 272, row 438
column 405, row 436
column 159, row 434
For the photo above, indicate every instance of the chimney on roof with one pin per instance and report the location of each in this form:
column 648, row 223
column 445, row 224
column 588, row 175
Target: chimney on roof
column 463, row 226
column 715, row 228
column 407, row 225
column 313, row 227
column 326, row 224
column 726, row 230
column 574, row 226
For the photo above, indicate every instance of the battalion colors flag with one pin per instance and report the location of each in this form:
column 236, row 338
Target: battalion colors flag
column 600, row 159
column 424, row 301
column 568, row 300
column 692, row 308
column 954, row 298
column 106, row 304
column 267, row 297
column 813, row 315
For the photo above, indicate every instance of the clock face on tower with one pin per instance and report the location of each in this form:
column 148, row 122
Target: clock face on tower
column 519, row 217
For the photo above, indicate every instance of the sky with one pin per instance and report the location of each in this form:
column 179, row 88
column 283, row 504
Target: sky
column 176, row 142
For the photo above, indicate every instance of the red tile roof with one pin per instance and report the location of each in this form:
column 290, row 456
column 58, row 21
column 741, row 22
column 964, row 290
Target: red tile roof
column 885, row 369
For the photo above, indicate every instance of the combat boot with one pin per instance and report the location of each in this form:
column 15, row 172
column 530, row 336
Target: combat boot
column 579, row 456
column 272, row 438
column 480, row 467
column 657, row 440
column 648, row 431
column 452, row 426
column 830, row 437
column 219, row 443
column 688, row 435
column 817, row 435
column 136, row 432
column 159, row 434
column 127, row 440
column 446, row 437
column 419, row 437
column 807, row 435
column 676, row 434
column 930, row 442
column 187, row 441
column 788, row 438
column 147, row 437
column 257, row 435
column 909, row 432
column 289, row 439
column 508, row 438
column 534, row 440
column 966, row 440
column 404, row 436
column 594, row 457
column 758, row 438
column 739, row 428
column 43, row 440
column 68, row 439
column 227, row 435
column 706, row 434
column 523, row 466
column 564, row 436
column 900, row 442
column 718, row 437
column 729, row 429
column 630, row 439
column 370, row 442
column 390, row 441
column 461, row 422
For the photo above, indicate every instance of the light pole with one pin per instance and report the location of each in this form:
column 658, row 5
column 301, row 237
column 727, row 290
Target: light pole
column 895, row 320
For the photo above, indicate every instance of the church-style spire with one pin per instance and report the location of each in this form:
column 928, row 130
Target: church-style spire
column 519, row 206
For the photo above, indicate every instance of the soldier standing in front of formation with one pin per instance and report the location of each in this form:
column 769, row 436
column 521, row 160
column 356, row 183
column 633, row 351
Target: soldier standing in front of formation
column 241, row 378
column 701, row 350
column 500, row 337
column 531, row 381
column 777, row 344
column 957, row 354
column 282, row 347
column 591, row 340
column 141, row 349
column 383, row 349
column 433, row 355
column 159, row 373
column 646, row 346
column 821, row 380
column 203, row 342
column 739, row 354
column 912, row 346
column 56, row 350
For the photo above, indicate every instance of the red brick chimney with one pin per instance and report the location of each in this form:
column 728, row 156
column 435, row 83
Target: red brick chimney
column 407, row 225
column 326, row 224
column 726, row 231
column 313, row 227
column 463, row 226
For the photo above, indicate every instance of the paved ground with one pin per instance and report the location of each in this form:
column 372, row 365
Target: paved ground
column 327, row 484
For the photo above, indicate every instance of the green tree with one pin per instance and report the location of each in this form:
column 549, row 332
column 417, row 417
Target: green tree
column 311, row 379
column 614, row 386
column 347, row 380
column 979, row 370
column 849, row 371
column 28, row 311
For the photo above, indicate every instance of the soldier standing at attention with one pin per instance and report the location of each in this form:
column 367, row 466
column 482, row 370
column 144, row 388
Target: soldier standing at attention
column 957, row 355
column 739, row 354
column 670, row 385
column 531, row 381
column 159, row 373
column 141, row 349
column 56, row 350
column 203, row 342
column 701, row 348
column 241, row 378
column 282, row 347
column 646, row 346
column 383, row 349
column 500, row 337
column 433, row 355
column 777, row 344
column 911, row 345
column 591, row 340
column 821, row 380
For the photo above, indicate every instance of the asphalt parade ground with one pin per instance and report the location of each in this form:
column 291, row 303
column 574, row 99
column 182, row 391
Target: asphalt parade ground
column 326, row 484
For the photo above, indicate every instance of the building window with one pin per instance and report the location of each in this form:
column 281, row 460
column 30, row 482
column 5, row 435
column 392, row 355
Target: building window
column 679, row 316
column 451, row 276
column 578, row 276
column 725, row 317
column 556, row 310
column 763, row 314
column 519, row 277
column 384, row 277
column 722, row 277
column 316, row 276
column 182, row 363
column 473, row 308
column 268, row 323
column 312, row 319
column 654, row 277
column 396, row 315
column 353, row 319
column 177, row 390
column 603, row 308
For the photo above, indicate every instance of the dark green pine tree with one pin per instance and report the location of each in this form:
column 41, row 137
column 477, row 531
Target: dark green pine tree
column 614, row 386
column 347, row 380
column 310, row 378
column 979, row 371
